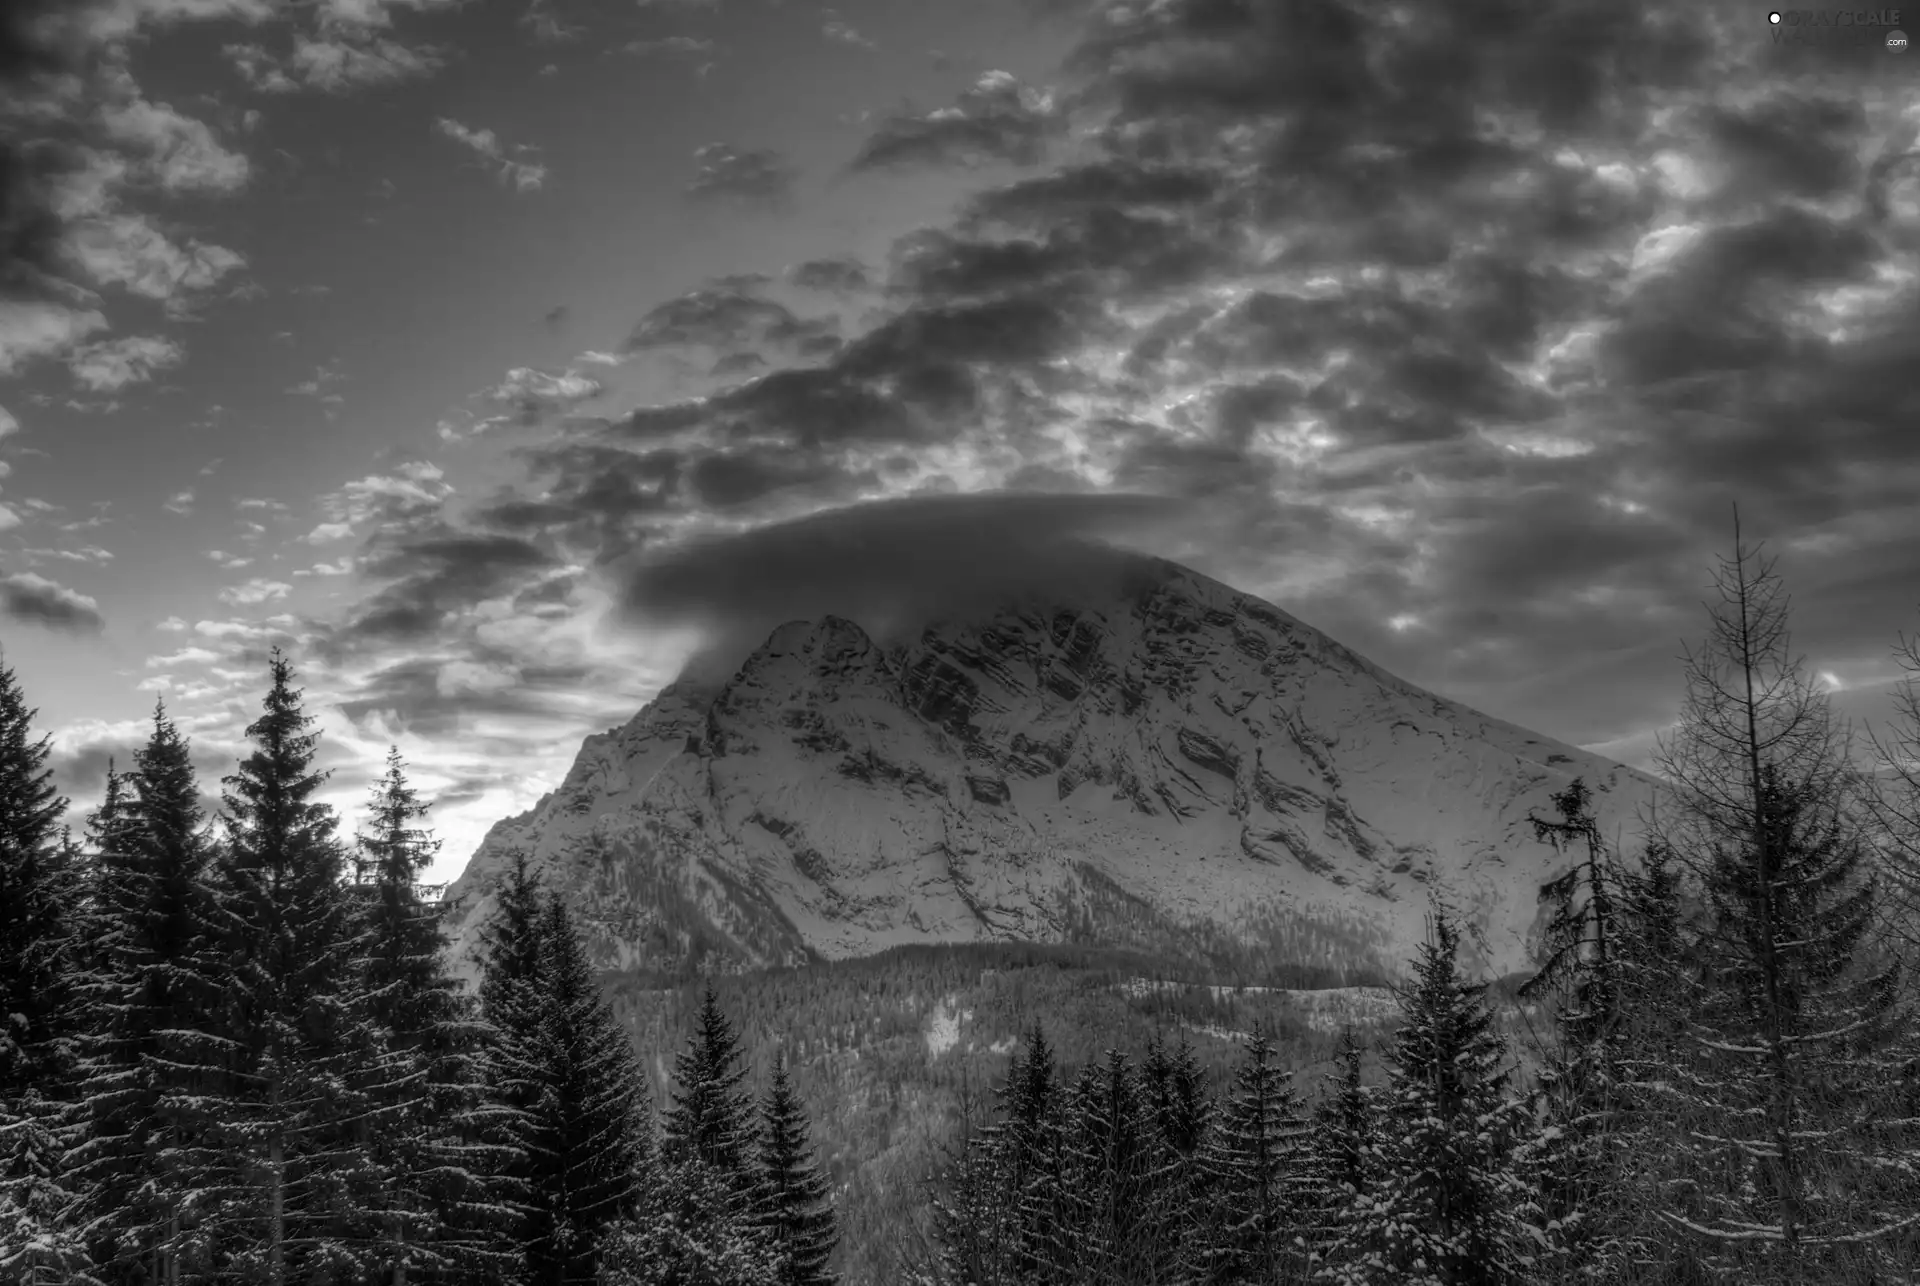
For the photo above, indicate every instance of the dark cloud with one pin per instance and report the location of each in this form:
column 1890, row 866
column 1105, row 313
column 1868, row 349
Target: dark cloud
column 601, row 499
column 742, row 478
column 725, row 315
column 996, row 119
column 530, row 396
column 754, row 177
column 30, row 599
column 840, row 276
column 1109, row 251
column 438, row 696
column 80, row 768
column 891, row 566
column 1458, row 328
column 737, row 364
column 432, row 574
column 34, row 48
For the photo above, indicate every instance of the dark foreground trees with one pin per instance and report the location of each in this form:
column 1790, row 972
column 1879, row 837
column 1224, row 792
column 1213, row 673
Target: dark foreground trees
column 234, row 1055
column 1788, row 1166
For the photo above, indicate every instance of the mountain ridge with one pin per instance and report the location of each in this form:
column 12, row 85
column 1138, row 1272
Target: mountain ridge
column 1164, row 752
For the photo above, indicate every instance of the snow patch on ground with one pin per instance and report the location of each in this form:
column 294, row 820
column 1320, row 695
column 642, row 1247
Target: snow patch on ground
column 943, row 1029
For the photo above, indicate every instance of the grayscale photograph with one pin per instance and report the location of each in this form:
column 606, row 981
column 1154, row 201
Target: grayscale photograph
column 959, row 643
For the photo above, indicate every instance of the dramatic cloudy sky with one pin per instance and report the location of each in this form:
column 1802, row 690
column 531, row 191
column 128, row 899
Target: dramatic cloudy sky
column 402, row 332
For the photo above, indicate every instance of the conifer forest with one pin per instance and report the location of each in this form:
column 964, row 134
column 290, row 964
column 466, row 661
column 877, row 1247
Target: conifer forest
column 231, row 1052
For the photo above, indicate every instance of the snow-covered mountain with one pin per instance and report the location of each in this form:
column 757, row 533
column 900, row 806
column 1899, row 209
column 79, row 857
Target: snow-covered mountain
column 1165, row 752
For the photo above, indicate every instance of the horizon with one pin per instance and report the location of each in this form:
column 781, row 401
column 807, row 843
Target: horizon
column 496, row 358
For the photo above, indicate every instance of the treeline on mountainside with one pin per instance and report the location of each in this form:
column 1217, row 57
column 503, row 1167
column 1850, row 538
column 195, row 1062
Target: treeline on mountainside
column 1728, row 1089
column 230, row 1052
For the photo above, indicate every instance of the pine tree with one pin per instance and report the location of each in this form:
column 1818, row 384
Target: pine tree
column 297, row 1168
column 41, row 1242
column 153, row 1064
column 1781, row 1082
column 512, row 960
column 1025, row 1143
column 437, row 1213
column 40, row 958
column 973, row 1211
column 688, row 1234
column 711, row 1116
column 38, row 888
column 585, row 1141
column 1574, row 1154
column 1345, row 1143
column 1181, row 1117
column 1449, row 1208
column 1107, row 1226
column 1262, row 1190
column 793, row 1204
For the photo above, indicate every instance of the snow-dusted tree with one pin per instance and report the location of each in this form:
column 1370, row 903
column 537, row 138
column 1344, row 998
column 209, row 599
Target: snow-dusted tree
column 40, row 959
column 792, row 1200
column 585, row 1142
column 1575, row 1152
column 711, row 1117
column 154, row 1050
column 38, row 888
column 296, row 1165
column 1025, row 1141
column 1792, row 1169
column 1450, row 1206
column 973, row 1211
column 1107, row 1226
column 511, row 963
column 1896, row 803
column 1263, row 1190
column 436, row 1214
column 688, row 1234
column 41, row 1240
column 1180, row 1112
column 1345, row 1142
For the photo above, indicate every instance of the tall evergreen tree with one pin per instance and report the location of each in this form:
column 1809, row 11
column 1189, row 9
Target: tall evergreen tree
column 1025, row 1143
column 154, row 1051
column 1450, row 1208
column 1181, row 1115
column 38, row 888
column 973, row 1211
column 436, row 1215
column 711, row 1116
column 512, row 959
column 1786, row 1173
column 793, row 1201
column 40, row 955
column 1262, row 1191
column 586, row 1142
column 1107, row 1222
column 297, row 1167
column 688, row 1234
column 1575, row 1155
column 1345, row 1142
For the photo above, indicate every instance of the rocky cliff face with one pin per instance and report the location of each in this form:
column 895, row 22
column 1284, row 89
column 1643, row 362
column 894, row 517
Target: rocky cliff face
column 1171, row 753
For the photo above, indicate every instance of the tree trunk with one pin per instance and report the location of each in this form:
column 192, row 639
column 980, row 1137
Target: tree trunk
column 276, row 1214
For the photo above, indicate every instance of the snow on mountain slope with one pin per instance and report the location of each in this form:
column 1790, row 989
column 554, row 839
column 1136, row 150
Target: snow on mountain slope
column 1170, row 746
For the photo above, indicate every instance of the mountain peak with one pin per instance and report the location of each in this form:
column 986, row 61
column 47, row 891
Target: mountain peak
column 1161, row 759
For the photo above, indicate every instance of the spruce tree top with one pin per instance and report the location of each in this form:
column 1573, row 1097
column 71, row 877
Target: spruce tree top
column 269, row 802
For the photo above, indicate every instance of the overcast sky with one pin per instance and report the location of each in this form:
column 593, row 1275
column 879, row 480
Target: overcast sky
column 415, row 335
